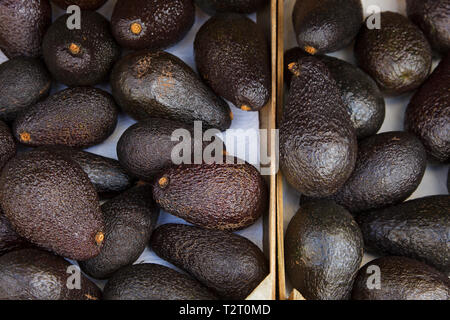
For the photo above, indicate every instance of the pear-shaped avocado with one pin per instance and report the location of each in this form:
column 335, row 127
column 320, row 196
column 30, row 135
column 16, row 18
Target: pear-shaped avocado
column 23, row 82
column 160, row 85
column 32, row 274
column 150, row 24
column 317, row 139
column 76, row 117
column 51, row 202
column 7, row 144
column 22, row 26
column 9, row 239
column 232, row 56
column 83, row 4
column 80, row 57
column 238, row 6
column 203, row 253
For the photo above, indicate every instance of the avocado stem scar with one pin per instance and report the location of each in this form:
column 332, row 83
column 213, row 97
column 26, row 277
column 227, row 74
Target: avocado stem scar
column 136, row 28
column 311, row 50
column 245, row 108
column 99, row 237
column 74, row 49
column 231, row 115
column 163, row 182
column 294, row 68
column 25, row 137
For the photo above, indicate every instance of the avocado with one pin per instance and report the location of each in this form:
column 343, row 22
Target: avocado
column 224, row 196
column 428, row 113
column 106, row 174
column 149, row 24
column 76, row 117
column 417, row 229
column 23, row 82
column 7, row 144
column 360, row 94
column 51, row 203
column 83, row 4
column 238, row 6
column 232, row 56
column 400, row 278
column 130, row 219
column 323, row 249
column 9, row 239
column 228, row 264
column 22, row 27
column 317, row 140
column 80, row 57
column 397, row 56
column 432, row 18
column 160, row 85
column 148, row 281
column 32, row 274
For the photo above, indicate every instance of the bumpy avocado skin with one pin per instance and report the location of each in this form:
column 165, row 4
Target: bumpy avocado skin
column 401, row 278
column 75, row 117
column 417, row 229
column 324, row 249
column 160, row 85
column 161, row 23
column 227, row 196
column 93, row 57
column 9, row 239
column 130, row 219
column 7, row 144
column 397, row 56
column 323, row 26
column 232, row 56
column 51, row 202
column 83, row 4
column 23, row 82
column 22, row 26
column 317, row 140
column 203, row 254
column 32, row 274
column 148, row 281
column 432, row 18
column 428, row 113
column 238, row 6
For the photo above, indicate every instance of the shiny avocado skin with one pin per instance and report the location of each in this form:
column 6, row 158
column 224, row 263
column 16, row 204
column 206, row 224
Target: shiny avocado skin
column 9, row 239
column 8, row 146
column 232, row 56
column 83, row 4
column 428, row 113
column 397, row 56
column 402, row 279
column 160, row 85
column 32, row 274
column 22, row 26
column 202, row 253
column 417, row 229
column 23, row 82
column 238, row 6
column 324, row 249
column 148, row 281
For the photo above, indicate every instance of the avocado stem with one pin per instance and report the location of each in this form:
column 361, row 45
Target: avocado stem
column 136, row 28
column 231, row 115
column 163, row 182
column 99, row 237
column 245, row 108
column 294, row 68
column 25, row 137
column 310, row 50
column 74, row 49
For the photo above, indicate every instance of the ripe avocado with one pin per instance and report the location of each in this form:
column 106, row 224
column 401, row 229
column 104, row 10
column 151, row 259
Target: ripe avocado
column 228, row 264
column 76, row 117
column 83, row 4
column 397, row 56
column 150, row 24
column 428, row 113
column 32, row 274
column 160, row 85
column 232, row 56
column 324, row 248
column 7, row 144
column 80, row 57
column 418, row 229
column 22, row 26
column 401, row 279
column 150, row 281
column 323, row 26
column 51, row 202
column 317, row 140
column 227, row 196
column 23, row 82
column 9, row 239
column 238, row 6
column 433, row 18
column 130, row 219
column 360, row 94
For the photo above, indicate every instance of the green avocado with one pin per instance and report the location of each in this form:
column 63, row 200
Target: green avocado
column 160, row 85
column 83, row 4
column 204, row 253
column 7, row 144
column 80, row 57
column 238, row 6
column 9, row 239
column 75, row 117
column 232, row 56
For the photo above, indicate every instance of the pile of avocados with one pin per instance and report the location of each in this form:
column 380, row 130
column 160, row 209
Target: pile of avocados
column 354, row 183
column 64, row 209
